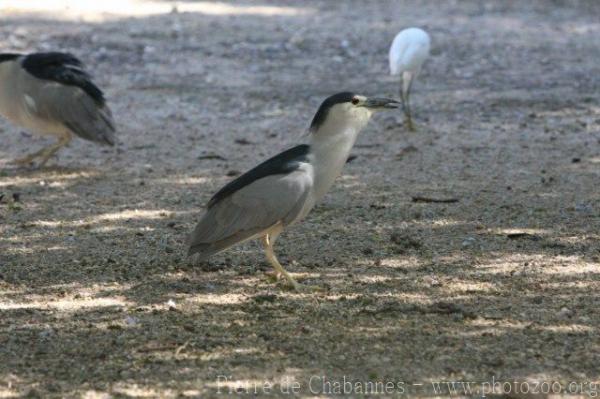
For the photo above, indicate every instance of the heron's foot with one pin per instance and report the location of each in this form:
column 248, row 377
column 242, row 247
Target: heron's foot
column 293, row 284
column 312, row 288
column 45, row 159
column 44, row 154
column 49, row 152
column 410, row 125
column 273, row 276
column 308, row 289
column 25, row 161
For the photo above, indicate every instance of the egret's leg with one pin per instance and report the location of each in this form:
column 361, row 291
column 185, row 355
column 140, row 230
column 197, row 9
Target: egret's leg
column 403, row 100
column 268, row 241
column 402, row 96
column 409, row 121
column 407, row 79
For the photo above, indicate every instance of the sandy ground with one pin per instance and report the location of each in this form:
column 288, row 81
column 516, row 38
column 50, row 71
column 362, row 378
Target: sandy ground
column 97, row 298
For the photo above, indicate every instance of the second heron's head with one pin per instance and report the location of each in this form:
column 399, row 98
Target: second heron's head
column 348, row 110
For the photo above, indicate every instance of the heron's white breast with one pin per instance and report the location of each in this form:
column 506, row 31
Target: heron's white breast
column 9, row 107
column 311, row 200
column 329, row 154
column 21, row 106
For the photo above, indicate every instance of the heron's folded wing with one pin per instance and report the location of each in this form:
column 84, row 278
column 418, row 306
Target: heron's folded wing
column 254, row 208
column 69, row 105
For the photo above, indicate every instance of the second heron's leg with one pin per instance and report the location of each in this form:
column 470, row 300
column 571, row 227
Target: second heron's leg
column 268, row 241
column 28, row 158
column 45, row 152
column 51, row 150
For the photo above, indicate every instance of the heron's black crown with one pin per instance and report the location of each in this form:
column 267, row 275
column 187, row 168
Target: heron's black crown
column 63, row 68
column 321, row 115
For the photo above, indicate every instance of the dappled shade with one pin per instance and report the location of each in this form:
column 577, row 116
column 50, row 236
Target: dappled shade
column 96, row 295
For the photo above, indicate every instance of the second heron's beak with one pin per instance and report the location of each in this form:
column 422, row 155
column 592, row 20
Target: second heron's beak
column 377, row 103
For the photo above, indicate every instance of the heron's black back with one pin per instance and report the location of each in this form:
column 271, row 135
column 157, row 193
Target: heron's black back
column 63, row 68
column 285, row 162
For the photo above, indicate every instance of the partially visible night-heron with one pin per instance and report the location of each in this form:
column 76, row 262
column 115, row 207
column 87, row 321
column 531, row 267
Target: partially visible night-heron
column 282, row 190
column 51, row 94
column 409, row 50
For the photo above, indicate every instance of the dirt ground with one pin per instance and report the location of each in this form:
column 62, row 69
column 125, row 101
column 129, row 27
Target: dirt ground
column 98, row 300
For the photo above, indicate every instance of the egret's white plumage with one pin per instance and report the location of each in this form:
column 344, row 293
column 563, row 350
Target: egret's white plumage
column 408, row 52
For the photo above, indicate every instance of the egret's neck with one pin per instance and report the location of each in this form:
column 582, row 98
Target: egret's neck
column 330, row 147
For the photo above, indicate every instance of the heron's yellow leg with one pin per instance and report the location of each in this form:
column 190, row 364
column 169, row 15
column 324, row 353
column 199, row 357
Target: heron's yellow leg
column 268, row 244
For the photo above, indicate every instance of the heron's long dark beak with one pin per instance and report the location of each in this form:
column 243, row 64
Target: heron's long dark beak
column 381, row 103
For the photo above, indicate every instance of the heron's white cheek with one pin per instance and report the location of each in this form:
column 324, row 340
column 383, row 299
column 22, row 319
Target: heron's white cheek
column 361, row 116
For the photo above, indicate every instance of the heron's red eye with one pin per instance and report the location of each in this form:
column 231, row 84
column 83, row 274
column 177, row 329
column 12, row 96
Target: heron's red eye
column 355, row 101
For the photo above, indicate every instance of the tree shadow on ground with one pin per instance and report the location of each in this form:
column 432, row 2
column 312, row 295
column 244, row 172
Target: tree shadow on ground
column 97, row 296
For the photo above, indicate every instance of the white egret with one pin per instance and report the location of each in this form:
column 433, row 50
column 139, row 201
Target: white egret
column 409, row 50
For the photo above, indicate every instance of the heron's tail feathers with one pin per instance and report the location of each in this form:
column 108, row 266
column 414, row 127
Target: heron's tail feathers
column 94, row 123
column 205, row 251
column 107, row 126
column 102, row 127
column 208, row 249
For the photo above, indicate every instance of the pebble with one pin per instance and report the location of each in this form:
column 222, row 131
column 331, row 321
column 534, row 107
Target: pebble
column 469, row 241
column 565, row 313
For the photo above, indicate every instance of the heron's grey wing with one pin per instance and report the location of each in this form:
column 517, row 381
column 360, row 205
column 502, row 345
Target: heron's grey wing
column 70, row 106
column 250, row 211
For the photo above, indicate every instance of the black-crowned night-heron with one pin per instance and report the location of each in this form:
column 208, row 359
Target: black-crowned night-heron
column 409, row 50
column 51, row 94
column 282, row 190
